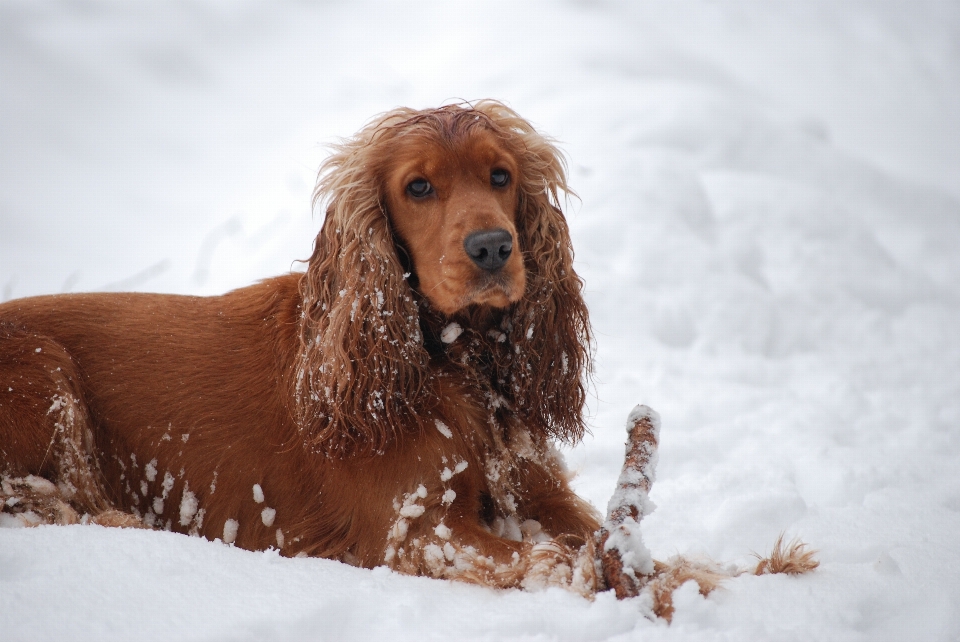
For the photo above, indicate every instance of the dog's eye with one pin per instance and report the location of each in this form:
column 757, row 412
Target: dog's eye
column 419, row 188
column 499, row 177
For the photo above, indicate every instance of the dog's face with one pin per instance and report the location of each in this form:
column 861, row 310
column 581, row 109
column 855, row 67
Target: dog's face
column 453, row 204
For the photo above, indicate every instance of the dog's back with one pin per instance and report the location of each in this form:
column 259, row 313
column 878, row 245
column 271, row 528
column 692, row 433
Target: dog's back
column 105, row 391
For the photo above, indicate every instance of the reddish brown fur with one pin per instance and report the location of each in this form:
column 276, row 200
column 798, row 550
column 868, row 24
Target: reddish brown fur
column 331, row 389
column 794, row 558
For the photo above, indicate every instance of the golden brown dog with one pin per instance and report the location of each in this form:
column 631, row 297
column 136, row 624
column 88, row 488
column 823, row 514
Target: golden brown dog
column 395, row 404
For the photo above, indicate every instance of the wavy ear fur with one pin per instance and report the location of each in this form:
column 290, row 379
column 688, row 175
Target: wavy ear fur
column 362, row 377
column 549, row 329
column 363, row 365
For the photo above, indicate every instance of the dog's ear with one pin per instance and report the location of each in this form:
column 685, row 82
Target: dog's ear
column 362, row 365
column 550, row 328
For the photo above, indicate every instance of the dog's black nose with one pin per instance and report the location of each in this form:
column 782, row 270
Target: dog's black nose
column 489, row 249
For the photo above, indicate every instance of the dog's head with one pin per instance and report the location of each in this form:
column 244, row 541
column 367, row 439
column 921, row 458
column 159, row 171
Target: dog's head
column 455, row 210
column 451, row 196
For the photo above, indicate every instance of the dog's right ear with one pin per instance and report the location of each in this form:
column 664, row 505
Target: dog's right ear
column 362, row 368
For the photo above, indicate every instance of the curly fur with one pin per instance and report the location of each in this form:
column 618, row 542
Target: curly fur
column 361, row 379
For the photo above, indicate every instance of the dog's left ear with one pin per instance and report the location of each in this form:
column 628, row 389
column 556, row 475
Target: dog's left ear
column 550, row 328
column 363, row 365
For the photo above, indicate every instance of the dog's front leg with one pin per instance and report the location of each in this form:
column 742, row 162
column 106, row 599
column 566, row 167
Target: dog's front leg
column 442, row 532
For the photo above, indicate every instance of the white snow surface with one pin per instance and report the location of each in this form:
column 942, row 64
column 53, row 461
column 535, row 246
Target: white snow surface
column 767, row 223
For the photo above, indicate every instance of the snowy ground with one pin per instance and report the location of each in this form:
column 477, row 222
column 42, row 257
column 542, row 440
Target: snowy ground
column 768, row 219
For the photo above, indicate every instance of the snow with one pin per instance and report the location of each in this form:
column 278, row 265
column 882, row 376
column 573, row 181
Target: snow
column 451, row 332
column 188, row 508
column 444, row 429
column 150, row 470
column 767, row 218
column 267, row 515
column 230, row 528
column 413, row 510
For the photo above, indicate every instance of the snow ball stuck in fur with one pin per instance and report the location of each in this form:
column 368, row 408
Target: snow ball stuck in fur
column 446, row 474
column 507, row 528
column 442, row 531
column 230, row 528
column 444, row 429
column 530, row 528
column 57, row 403
column 257, row 494
column 413, row 510
column 150, row 470
column 40, row 484
column 449, row 496
column 433, row 553
column 268, row 515
column 168, row 482
column 450, row 333
column 400, row 530
column 188, row 507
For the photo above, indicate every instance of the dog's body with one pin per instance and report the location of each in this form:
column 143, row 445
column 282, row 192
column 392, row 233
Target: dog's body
column 217, row 419
column 395, row 404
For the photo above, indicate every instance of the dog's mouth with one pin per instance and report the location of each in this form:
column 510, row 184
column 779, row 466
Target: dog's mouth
column 497, row 289
column 494, row 290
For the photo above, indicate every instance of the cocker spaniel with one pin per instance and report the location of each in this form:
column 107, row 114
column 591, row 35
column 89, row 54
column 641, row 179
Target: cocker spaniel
column 396, row 404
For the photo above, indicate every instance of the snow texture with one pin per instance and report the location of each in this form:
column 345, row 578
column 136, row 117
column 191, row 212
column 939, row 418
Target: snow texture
column 444, row 429
column 627, row 538
column 450, row 333
column 230, row 529
column 767, row 219
column 267, row 515
column 188, row 507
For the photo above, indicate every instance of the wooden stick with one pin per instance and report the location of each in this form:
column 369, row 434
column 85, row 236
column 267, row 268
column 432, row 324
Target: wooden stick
column 625, row 561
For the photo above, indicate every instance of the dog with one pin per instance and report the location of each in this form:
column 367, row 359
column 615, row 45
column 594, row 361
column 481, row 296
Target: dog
column 398, row 403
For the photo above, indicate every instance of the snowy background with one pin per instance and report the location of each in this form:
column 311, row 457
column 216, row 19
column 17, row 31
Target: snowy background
column 768, row 223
